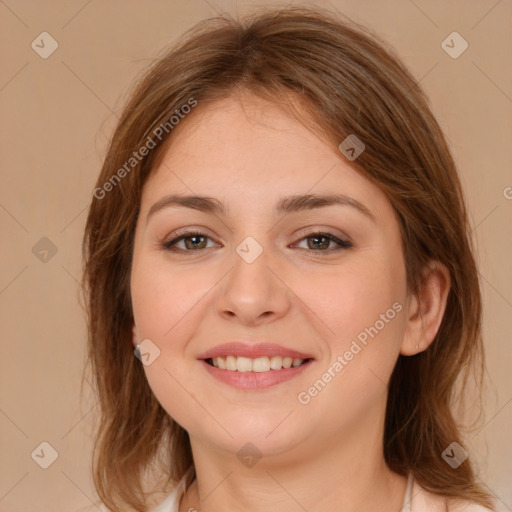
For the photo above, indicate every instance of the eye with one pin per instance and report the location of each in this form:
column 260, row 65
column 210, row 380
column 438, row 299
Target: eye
column 194, row 241
column 197, row 241
column 320, row 242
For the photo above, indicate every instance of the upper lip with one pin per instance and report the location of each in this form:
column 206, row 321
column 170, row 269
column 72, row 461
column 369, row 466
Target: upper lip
column 253, row 350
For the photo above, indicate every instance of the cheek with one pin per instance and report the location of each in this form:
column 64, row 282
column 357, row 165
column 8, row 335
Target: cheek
column 166, row 311
column 364, row 307
column 365, row 310
column 163, row 300
column 351, row 299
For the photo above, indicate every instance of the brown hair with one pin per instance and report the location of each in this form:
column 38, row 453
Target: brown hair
column 348, row 81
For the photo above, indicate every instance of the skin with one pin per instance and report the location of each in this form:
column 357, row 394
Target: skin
column 326, row 455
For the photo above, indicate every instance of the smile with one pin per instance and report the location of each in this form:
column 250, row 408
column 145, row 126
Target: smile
column 253, row 379
column 258, row 364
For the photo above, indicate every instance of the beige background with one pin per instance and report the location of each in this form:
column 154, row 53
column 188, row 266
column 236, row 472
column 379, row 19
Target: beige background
column 56, row 116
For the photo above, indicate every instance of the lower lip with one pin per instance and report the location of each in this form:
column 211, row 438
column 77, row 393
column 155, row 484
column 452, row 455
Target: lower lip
column 255, row 380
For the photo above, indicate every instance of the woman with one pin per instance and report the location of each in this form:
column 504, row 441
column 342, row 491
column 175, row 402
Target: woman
column 279, row 235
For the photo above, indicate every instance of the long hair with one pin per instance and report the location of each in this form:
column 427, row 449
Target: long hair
column 348, row 82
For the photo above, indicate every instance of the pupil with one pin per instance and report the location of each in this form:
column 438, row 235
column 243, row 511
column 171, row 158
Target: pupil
column 193, row 239
column 316, row 238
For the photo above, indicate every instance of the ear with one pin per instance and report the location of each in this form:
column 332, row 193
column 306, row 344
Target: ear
column 426, row 309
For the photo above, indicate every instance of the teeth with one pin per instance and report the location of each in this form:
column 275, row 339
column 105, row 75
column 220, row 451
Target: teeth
column 243, row 364
column 276, row 362
column 259, row 364
column 230, row 363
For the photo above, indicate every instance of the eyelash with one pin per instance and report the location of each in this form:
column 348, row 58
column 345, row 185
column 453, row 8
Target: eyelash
column 343, row 244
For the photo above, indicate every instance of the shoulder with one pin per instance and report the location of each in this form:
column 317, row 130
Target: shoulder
column 425, row 501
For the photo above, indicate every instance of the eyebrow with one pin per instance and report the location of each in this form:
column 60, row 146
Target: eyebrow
column 284, row 206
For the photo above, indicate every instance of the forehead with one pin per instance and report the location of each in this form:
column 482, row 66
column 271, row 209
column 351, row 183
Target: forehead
column 250, row 150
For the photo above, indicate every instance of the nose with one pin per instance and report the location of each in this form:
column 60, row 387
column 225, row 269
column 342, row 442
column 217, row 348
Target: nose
column 253, row 293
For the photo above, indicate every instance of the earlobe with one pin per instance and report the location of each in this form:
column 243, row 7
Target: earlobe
column 426, row 310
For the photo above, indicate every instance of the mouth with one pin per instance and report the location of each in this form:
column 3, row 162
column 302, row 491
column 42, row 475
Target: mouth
column 255, row 365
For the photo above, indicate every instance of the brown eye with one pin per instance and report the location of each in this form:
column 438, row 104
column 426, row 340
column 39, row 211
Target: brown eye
column 197, row 241
column 193, row 241
column 320, row 242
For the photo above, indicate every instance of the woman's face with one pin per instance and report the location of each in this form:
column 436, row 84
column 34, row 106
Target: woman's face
column 259, row 273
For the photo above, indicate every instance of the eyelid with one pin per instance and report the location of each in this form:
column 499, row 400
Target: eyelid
column 343, row 242
column 182, row 233
column 316, row 230
column 306, row 231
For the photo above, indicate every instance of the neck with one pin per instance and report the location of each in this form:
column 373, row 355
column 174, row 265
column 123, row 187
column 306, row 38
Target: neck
column 350, row 476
